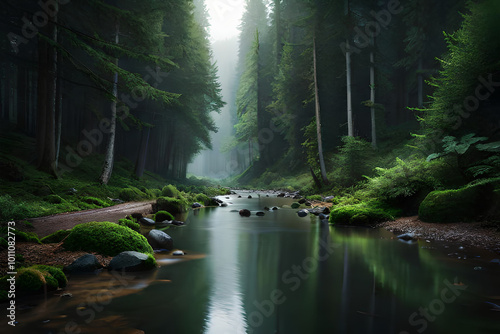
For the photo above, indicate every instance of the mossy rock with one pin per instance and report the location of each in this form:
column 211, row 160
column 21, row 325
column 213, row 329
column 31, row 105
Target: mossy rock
column 314, row 198
column 36, row 278
column 106, row 238
column 457, row 205
column 358, row 215
column 205, row 200
column 21, row 235
column 131, row 194
column 55, row 237
column 295, row 205
column 162, row 216
column 94, row 201
column 170, row 191
column 172, row 205
column 130, row 224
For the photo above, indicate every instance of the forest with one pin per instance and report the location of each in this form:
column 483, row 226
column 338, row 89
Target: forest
column 124, row 120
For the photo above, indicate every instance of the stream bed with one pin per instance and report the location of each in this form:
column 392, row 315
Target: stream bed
column 280, row 273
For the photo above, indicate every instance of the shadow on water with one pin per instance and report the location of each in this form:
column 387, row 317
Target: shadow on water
column 282, row 274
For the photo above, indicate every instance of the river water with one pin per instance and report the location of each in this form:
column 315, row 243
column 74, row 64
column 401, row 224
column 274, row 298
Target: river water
column 283, row 274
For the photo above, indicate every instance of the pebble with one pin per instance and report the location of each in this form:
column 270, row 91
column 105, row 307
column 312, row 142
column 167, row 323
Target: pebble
column 178, row 253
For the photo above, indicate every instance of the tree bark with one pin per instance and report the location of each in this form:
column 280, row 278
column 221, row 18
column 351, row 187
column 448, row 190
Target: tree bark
column 350, row 128
column 47, row 85
column 420, row 83
column 372, row 95
column 318, row 117
column 107, row 168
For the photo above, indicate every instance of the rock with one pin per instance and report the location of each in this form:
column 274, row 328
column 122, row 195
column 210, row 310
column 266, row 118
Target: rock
column 302, row 201
column 249, row 196
column 260, row 213
column 66, row 295
column 328, row 198
column 239, row 196
column 87, row 263
column 324, row 221
column 302, row 213
column 281, row 195
column 323, row 216
column 165, row 223
column 407, row 236
column 146, row 221
column 228, row 197
column 274, row 208
column 223, row 205
column 72, row 191
column 307, row 203
column 131, row 261
column 160, row 240
column 295, row 205
column 319, row 210
column 266, row 208
column 178, row 223
column 178, row 253
column 196, row 205
column 298, row 197
column 245, row 213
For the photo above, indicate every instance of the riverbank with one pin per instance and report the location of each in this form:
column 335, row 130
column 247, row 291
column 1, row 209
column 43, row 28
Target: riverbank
column 478, row 234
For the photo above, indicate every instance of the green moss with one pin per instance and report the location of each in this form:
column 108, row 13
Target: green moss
column 151, row 262
column 130, row 224
column 359, row 214
column 95, row 201
column 314, row 198
column 204, row 199
column 131, row 194
column 456, row 205
column 170, row 191
column 153, row 193
column 106, row 238
column 55, row 237
column 172, row 205
column 21, row 235
column 162, row 216
column 53, row 199
column 33, row 279
column 295, row 205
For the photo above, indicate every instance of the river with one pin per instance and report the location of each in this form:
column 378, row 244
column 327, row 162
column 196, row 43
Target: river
column 283, row 274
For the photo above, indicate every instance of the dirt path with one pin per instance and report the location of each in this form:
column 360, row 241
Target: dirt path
column 44, row 226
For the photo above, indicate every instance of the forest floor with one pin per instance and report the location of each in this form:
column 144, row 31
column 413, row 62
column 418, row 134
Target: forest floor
column 54, row 254
column 478, row 234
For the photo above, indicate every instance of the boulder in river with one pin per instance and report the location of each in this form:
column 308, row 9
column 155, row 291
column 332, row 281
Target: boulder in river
column 87, row 263
column 245, row 213
column 196, row 205
column 407, row 236
column 160, row 240
column 302, row 213
column 146, row 221
column 132, row 261
column 260, row 213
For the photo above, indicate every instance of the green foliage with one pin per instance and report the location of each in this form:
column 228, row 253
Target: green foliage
column 452, row 146
column 54, row 272
column 55, row 237
column 353, row 161
column 162, row 216
column 310, row 145
column 106, row 238
column 94, row 201
column 203, row 199
column 131, row 194
column 170, row 191
column 172, row 205
column 130, row 224
column 359, row 214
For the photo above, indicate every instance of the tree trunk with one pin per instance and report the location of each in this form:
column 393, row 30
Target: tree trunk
column 420, row 82
column 372, row 95
column 318, row 117
column 350, row 130
column 58, row 107
column 47, row 77
column 140, row 165
column 22, row 97
column 109, row 158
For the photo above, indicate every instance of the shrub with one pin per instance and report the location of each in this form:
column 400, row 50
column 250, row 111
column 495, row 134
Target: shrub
column 130, row 224
column 106, row 238
column 205, row 200
column 360, row 214
column 172, row 205
column 55, row 237
column 353, row 161
column 154, row 193
column 170, row 191
column 162, row 216
column 131, row 194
